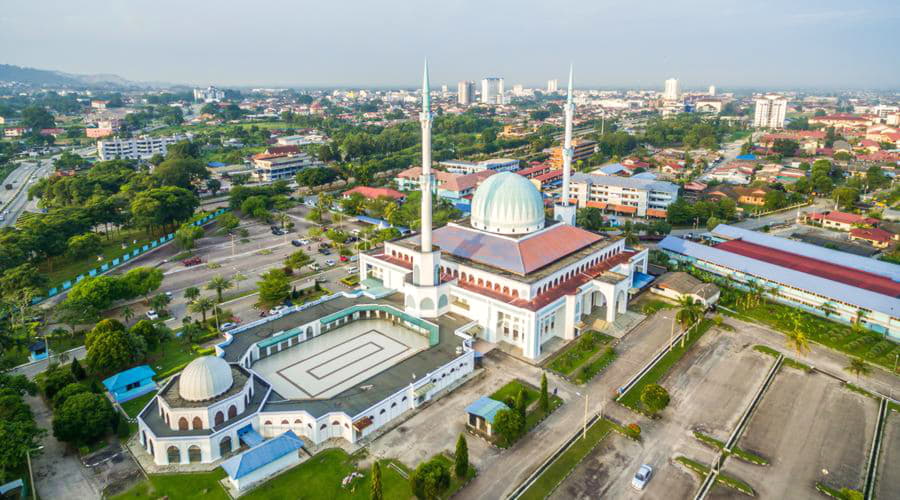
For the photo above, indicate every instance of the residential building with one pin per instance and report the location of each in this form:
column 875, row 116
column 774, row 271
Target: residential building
column 552, row 86
column 468, row 167
column 741, row 195
column 770, row 111
column 841, row 221
column 209, row 94
column 626, row 195
column 708, row 105
column 15, row 131
column 465, row 92
column 375, row 193
column 272, row 167
column 712, row 90
column 582, row 149
column 672, row 90
column 492, row 90
column 97, row 132
column 300, row 140
column 677, row 285
column 137, row 148
column 877, row 237
column 837, row 285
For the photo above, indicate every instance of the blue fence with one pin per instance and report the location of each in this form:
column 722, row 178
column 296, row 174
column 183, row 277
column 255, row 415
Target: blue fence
column 122, row 259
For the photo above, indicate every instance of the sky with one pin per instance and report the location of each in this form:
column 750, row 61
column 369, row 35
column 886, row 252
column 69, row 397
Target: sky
column 765, row 44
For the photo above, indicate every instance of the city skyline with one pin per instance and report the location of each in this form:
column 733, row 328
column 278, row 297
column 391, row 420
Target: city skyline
column 362, row 48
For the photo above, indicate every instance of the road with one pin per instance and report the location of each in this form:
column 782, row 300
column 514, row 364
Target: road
column 16, row 201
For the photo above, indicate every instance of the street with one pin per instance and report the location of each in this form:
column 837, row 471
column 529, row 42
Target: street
column 15, row 201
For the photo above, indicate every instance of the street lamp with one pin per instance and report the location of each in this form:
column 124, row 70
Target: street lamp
column 584, row 423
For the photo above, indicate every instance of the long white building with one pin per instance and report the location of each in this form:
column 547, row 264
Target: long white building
column 770, row 111
column 492, row 90
column 672, row 90
column 627, row 195
column 138, row 148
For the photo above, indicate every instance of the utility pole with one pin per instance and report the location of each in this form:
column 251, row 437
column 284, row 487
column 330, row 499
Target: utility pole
column 584, row 425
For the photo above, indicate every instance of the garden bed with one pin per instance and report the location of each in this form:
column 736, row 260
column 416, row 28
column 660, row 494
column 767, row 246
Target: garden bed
column 581, row 354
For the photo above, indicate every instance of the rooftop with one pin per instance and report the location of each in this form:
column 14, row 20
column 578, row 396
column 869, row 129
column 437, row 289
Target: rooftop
column 261, row 455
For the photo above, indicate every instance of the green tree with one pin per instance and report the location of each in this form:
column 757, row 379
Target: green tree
column 98, row 293
column 83, row 245
column 55, row 380
column 274, row 288
column 111, row 348
column 219, row 283
column 191, row 293
column 297, row 260
column 77, row 370
column 522, row 403
column 654, row 397
column 163, row 207
column 127, row 314
column 140, row 281
column 845, row 196
column 545, row 396
column 67, row 392
column 858, row 367
column 461, row 459
column 187, row 235
column 83, row 419
column 202, row 305
column 148, row 331
column 798, row 341
column 689, row 312
column 377, row 493
column 430, row 479
column 213, row 185
column 712, row 222
column 508, row 424
column 160, row 301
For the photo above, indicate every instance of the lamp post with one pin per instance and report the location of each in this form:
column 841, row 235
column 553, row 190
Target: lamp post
column 584, row 423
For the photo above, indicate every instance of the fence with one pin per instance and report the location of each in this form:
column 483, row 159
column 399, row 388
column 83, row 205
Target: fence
column 122, row 259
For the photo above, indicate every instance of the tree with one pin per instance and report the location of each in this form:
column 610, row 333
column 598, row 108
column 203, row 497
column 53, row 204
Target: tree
column 430, row 479
column 83, row 419
column 214, row 185
column 77, row 370
column 74, row 312
column 148, row 331
column 83, row 245
column 712, row 222
column 98, row 292
column 191, row 293
column 180, row 172
column 654, row 397
column 187, row 235
column 521, row 403
column 785, row 147
column 590, row 218
column 55, row 380
column 140, row 281
column 297, row 260
column 160, row 301
column 111, row 348
column 377, row 493
column 274, row 287
column 127, row 314
column 228, row 222
column 689, row 312
column 163, row 207
column 858, row 366
column 461, row 459
column 845, row 196
column 545, row 397
column 508, row 425
column 19, row 432
column 798, row 341
column 36, row 118
column 67, row 392
column 201, row 305
column 219, row 283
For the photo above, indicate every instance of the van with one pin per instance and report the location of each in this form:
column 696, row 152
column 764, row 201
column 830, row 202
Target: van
column 352, row 269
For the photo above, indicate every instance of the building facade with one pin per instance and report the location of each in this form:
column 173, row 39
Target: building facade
column 627, row 195
column 465, row 92
column 469, row 167
column 492, row 90
column 273, row 167
column 672, row 90
column 770, row 112
column 138, row 148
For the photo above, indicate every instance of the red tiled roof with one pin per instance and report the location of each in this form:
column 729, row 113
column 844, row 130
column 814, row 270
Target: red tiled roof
column 373, row 192
column 872, row 234
column 554, row 244
column 653, row 212
column 847, row 218
column 815, row 267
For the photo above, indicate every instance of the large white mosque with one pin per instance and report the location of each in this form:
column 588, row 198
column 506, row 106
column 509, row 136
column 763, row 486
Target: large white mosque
column 346, row 365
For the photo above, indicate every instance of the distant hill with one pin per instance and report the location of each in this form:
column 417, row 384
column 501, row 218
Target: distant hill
column 48, row 78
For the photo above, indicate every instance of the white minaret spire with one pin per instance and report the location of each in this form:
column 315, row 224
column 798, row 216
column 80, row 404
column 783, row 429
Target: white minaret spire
column 564, row 210
column 425, row 119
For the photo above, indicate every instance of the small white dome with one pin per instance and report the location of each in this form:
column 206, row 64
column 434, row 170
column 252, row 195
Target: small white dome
column 507, row 203
column 205, row 378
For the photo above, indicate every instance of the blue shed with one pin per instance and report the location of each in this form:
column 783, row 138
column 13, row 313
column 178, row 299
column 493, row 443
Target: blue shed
column 263, row 460
column 38, row 350
column 482, row 413
column 131, row 383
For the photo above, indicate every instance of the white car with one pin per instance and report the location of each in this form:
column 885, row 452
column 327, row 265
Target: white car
column 315, row 266
column 640, row 480
column 277, row 310
column 227, row 326
column 329, row 262
column 152, row 315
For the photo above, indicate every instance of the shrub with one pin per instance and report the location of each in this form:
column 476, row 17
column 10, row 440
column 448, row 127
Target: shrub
column 67, row 392
column 655, row 398
column 430, row 479
column 83, row 419
column 634, row 430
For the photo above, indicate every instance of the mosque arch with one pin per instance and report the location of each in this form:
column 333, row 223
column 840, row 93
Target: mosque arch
column 427, row 304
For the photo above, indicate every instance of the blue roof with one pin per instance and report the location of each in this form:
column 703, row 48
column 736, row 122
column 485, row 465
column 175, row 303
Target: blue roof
column 486, row 408
column 216, row 164
column 129, row 376
column 746, row 157
column 612, row 168
column 262, row 455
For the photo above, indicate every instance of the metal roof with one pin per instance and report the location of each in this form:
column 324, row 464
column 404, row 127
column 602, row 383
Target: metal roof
column 129, row 376
column 790, row 277
column 262, row 455
column 486, row 408
column 626, row 182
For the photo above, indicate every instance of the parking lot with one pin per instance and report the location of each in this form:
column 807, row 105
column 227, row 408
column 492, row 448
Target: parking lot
column 812, row 430
column 888, row 482
column 709, row 388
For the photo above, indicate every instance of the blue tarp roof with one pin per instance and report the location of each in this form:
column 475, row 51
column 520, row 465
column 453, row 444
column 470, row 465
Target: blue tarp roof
column 486, row 408
column 216, row 164
column 262, row 455
column 129, row 376
column 746, row 157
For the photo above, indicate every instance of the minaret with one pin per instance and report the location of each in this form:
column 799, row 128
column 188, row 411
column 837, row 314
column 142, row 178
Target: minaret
column 565, row 211
column 425, row 118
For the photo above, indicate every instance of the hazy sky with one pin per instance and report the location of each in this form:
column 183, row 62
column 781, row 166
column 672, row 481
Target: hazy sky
column 613, row 43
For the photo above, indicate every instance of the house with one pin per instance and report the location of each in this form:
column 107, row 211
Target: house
column 677, row 285
column 263, row 460
column 878, row 238
column 841, row 221
column 740, row 194
column 672, row 168
column 481, row 414
column 16, row 131
column 131, row 383
column 375, row 192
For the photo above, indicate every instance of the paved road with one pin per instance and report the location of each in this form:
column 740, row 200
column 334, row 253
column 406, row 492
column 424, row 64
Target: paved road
column 16, row 201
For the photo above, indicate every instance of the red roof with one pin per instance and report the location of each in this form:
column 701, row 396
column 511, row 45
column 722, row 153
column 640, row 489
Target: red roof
column 373, row 192
column 277, row 150
column 848, row 218
column 815, row 267
column 872, row 234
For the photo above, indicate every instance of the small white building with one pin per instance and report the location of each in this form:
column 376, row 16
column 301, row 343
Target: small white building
column 263, row 461
column 677, row 285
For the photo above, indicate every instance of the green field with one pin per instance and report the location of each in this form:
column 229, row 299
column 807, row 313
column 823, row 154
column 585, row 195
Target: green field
column 133, row 407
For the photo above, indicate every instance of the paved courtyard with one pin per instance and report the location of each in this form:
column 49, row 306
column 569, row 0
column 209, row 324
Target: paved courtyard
column 335, row 361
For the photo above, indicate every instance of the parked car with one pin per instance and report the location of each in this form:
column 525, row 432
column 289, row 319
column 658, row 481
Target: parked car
column 344, row 258
column 227, row 326
column 152, row 315
column 320, row 279
column 640, row 480
column 277, row 309
column 352, row 269
column 315, row 266
column 193, row 261
column 324, row 251
column 329, row 262
column 297, row 243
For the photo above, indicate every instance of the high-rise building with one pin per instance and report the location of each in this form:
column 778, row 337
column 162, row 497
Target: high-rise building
column 712, row 90
column 770, row 110
column 552, row 86
column 492, row 90
column 672, row 90
column 209, row 94
column 518, row 90
column 466, row 91
column 445, row 89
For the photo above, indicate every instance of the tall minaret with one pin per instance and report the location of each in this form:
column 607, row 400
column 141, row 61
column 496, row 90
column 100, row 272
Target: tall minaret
column 565, row 211
column 425, row 119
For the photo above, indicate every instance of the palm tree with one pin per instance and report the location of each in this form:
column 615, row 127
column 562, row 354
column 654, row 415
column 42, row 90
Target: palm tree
column 858, row 366
column 201, row 305
column 689, row 312
column 191, row 293
column 127, row 313
column 238, row 277
column 160, row 301
column 798, row 341
column 219, row 283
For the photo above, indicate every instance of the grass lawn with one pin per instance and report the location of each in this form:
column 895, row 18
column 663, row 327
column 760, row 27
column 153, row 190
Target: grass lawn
column 703, row 470
column 579, row 352
column 172, row 356
column 863, row 343
column 559, row 469
column 64, row 269
column 511, row 391
column 133, row 407
column 632, row 398
column 203, row 485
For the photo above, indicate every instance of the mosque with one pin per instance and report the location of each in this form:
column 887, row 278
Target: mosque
column 346, row 365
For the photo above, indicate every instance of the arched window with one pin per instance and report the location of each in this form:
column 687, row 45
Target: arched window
column 167, row 419
column 336, row 423
column 232, row 412
column 220, row 418
column 197, row 423
column 194, row 454
column 404, row 399
column 268, row 422
column 323, row 427
column 182, row 424
column 382, row 411
column 150, row 447
column 298, row 422
column 285, row 423
column 394, row 404
column 225, row 446
column 143, row 438
column 173, row 454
